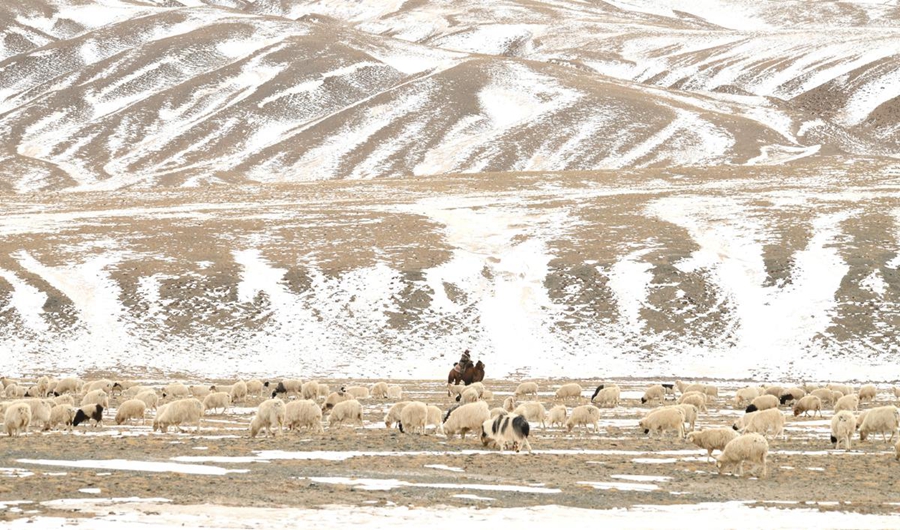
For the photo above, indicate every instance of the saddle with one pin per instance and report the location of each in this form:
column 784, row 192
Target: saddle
column 459, row 369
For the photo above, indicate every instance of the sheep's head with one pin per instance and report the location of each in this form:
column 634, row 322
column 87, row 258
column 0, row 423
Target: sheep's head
column 643, row 400
column 797, row 410
column 690, row 437
column 751, row 408
column 834, row 439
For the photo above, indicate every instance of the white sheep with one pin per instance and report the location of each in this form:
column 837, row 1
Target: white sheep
column 290, row 387
column 847, row 402
column 303, row 413
column 608, row 396
column 764, row 402
column 413, row 417
column 569, row 391
column 17, row 419
column 379, row 390
column 239, row 392
column 393, row 415
column 880, row 420
column 188, row 410
column 65, row 399
column 479, row 387
column 63, row 415
column 131, row 409
column 455, row 390
column 697, row 399
column 751, row 448
column 349, row 410
column 654, row 393
column 395, row 392
column 896, row 391
column 843, row 425
column 40, row 412
column 103, row 384
column 465, row 418
column 506, row 431
column 557, row 416
column 764, row 421
column 745, row 395
column 808, row 403
column 487, row 395
column 357, row 392
column 662, row 420
column 324, row 391
column 843, row 389
column 509, row 404
column 15, row 391
column 150, row 399
column 711, row 391
column 867, row 393
column 98, row 397
column 176, row 391
column 694, row 387
column 690, row 414
column 469, row 395
column 310, row 390
column 270, row 414
column 712, row 439
column 825, row 394
column 133, row 391
column 584, row 415
column 533, row 411
column 498, row 411
column 434, row 417
column 67, row 385
column 255, row 388
column 775, row 390
column 527, row 388
column 334, row 398
column 215, row 401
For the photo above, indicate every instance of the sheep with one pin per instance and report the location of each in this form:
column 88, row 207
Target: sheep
column 584, row 415
column 103, row 384
column 92, row 413
column 690, row 413
column 469, row 395
column 379, row 390
column 498, row 411
column 670, row 389
column 848, row 402
column 527, row 388
column 896, row 391
column 695, row 387
column 509, row 404
column 455, row 390
column 215, row 401
column 347, row 410
column 131, row 409
column 806, row 404
column 711, row 439
column 681, row 385
column 791, row 395
column 150, row 399
column 303, row 413
column 357, row 392
column 696, row 399
column 533, row 411
column 511, row 430
column 66, row 399
column 487, row 395
column 239, row 392
column 188, row 410
column 255, row 388
column 289, row 387
column 465, row 418
column 608, row 396
column 867, row 393
column 414, row 416
column 40, row 388
column 309, row 390
column 133, row 391
column 393, row 415
column 63, row 414
column 824, row 394
column 324, row 391
column 836, row 395
column 880, row 419
column 433, row 417
column 764, row 421
column 40, row 411
column 479, row 387
column 765, row 402
column 751, row 448
column 96, row 396
column 17, row 419
column 843, row 425
column 745, row 395
column 333, row 399
column 159, row 412
column 664, row 419
column 271, row 413
column 67, row 385
column 15, row 391
column 176, row 391
column 711, row 391
column 776, row 391
column 395, row 392
column 568, row 391
column 557, row 416
column 843, row 389
column 654, row 393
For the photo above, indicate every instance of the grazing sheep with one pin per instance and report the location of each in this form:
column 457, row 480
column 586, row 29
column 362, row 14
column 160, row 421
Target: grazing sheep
column 303, row 413
column 509, row 404
column 681, row 385
column 64, row 400
column 533, row 411
column 414, row 416
column 528, row 388
column 654, row 393
column 848, row 402
column 357, row 392
column 825, row 394
column 395, row 392
column 133, row 391
column 17, row 419
column 92, row 413
column 455, row 390
column 765, row 402
column 40, row 412
column 310, row 390
column 711, row 439
column 711, row 391
column 867, row 393
column 506, row 431
column 584, row 415
column 843, row 425
column 843, row 389
column 696, row 399
column 188, row 410
column 215, row 401
column 15, row 391
column 882, row 420
column 64, row 415
column 67, row 385
column 98, row 397
column 608, row 396
column 896, row 391
column 290, row 387
column 379, row 390
column 487, row 395
column 690, row 414
column 255, row 388
column 269, row 415
column 808, row 403
column 239, row 392
column 393, row 415
column 498, row 411
column 469, row 395
column 150, row 399
column 569, row 391
column 479, row 387
column 764, row 421
column 664, row 419
column 350, row 410
column 776, row 391
column 433, row 417
column 103, row 384
column 745, row 395
column 695, row 387
column 792, row 395
column 131, row 409
column 324, row 391
column 465, row 418
column 334, row 398
column 557, row 416
column 751, row 448
column 176, row 391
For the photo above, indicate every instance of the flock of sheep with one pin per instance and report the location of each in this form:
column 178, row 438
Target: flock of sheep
column 48, row 403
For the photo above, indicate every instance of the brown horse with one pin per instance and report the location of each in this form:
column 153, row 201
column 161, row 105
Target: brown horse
column 473, row 374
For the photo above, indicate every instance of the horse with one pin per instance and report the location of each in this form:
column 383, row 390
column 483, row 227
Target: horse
column 473, row 374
